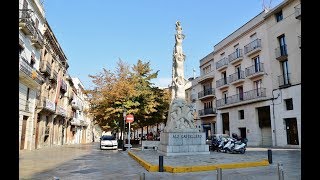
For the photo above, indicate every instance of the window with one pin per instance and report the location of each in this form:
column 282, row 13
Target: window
column 289, row 104
column 224, row 96
column 257, row 86
column 238, row 71
column 256, row 62
column 207, row 69
column 224, row 76
column 208, row 105
column 241, row 114
column 285, row 72
column 279, row 16
column 282, row 43
column 240, row 92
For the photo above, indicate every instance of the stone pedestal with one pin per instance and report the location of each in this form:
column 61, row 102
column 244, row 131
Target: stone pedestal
column 183, row 143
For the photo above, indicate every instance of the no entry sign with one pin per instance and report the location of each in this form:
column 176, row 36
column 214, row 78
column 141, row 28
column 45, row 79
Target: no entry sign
column 129, row 118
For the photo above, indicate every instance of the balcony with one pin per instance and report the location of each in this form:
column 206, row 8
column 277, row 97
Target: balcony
column 222, row 83
column 281, row 52
column 24, row 105
column 284, row 80
column 45, row 104
column 75, row 104
column 28, row 74
column 61, row 111
column 45, row 68
column 255, row 71
column 253, row 47
column 297, row 11
column 206, row 77
column 25, row 23
column 37, row 40
column 207, row 93
column 236, row 78
column 63, row 86
column 208, row 112
column 54, row 75
column 75, row 122
column 222, row 64
column 236, row 56
column 246, row 97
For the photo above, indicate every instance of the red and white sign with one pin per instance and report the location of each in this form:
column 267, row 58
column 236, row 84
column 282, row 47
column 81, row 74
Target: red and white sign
column 129, row 118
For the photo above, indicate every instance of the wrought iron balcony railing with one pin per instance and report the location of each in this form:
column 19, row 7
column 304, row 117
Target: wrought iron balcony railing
column 281, row 52
column 222, row 62
column 61, row 111
column 206, row 92
column 236, row 76
column 256, row 44
column 221, row 82
column 284, row 80
column 45, row 68
column 235, row 56
column 37, row 39
column 207, row 111
column 47, row 104
column 255, row 69
column 31, row 72
column 25, row 22
column 248, row 95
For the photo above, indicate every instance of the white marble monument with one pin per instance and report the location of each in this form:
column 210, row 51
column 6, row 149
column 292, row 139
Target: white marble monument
column 180, row 136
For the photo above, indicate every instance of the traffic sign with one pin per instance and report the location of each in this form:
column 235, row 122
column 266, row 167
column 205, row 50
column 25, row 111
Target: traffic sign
column 129, row 118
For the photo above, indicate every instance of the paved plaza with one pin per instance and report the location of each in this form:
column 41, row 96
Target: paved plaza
column 89, row 162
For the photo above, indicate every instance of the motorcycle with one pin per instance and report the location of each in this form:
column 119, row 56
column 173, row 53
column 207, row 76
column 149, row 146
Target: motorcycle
column 236, row 145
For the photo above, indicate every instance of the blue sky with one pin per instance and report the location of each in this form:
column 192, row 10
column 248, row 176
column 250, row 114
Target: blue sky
column 95, row 34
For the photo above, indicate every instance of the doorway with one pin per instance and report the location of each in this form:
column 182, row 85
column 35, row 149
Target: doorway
column 23, row 131
column 225, row 123
column 243, row 132
column 265, row 125
column 292, row 131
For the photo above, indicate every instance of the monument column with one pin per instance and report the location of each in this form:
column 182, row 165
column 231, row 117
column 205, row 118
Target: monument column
column 180, row 135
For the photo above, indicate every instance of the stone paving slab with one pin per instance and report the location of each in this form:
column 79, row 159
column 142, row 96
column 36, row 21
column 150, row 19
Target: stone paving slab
column 194, row 163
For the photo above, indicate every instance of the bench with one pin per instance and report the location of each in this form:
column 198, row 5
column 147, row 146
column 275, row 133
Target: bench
column 150, row 144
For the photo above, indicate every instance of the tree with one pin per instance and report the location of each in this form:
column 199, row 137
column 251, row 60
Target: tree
column 132, row 90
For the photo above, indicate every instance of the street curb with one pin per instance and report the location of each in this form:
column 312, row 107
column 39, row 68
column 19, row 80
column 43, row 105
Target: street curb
column 183, row 169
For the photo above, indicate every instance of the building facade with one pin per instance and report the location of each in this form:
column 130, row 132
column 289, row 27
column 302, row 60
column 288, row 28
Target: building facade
column 31, row 28
column 47, row 93
column 250, row 83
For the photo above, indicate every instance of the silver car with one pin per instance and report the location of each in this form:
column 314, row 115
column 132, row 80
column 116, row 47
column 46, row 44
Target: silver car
column 108, row 142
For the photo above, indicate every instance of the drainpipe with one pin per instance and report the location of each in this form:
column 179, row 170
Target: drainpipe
column 274, row 121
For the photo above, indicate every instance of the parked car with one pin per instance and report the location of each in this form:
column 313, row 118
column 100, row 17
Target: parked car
column 108, row 142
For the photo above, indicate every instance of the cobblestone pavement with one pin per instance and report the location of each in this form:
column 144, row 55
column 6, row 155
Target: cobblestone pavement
column 89, row 162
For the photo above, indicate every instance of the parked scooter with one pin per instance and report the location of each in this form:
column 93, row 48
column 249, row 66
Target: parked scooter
column 236, row 144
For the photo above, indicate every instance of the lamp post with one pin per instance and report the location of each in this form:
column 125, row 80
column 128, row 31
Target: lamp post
column 124, row 127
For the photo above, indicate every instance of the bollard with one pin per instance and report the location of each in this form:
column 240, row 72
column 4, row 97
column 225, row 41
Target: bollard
column 142, row 176
column 280, row 171
column 219, row 174
column 160, row 163
column 270, row 156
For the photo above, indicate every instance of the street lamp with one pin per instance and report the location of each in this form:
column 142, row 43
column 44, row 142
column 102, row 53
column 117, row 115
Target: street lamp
column 124, row 126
